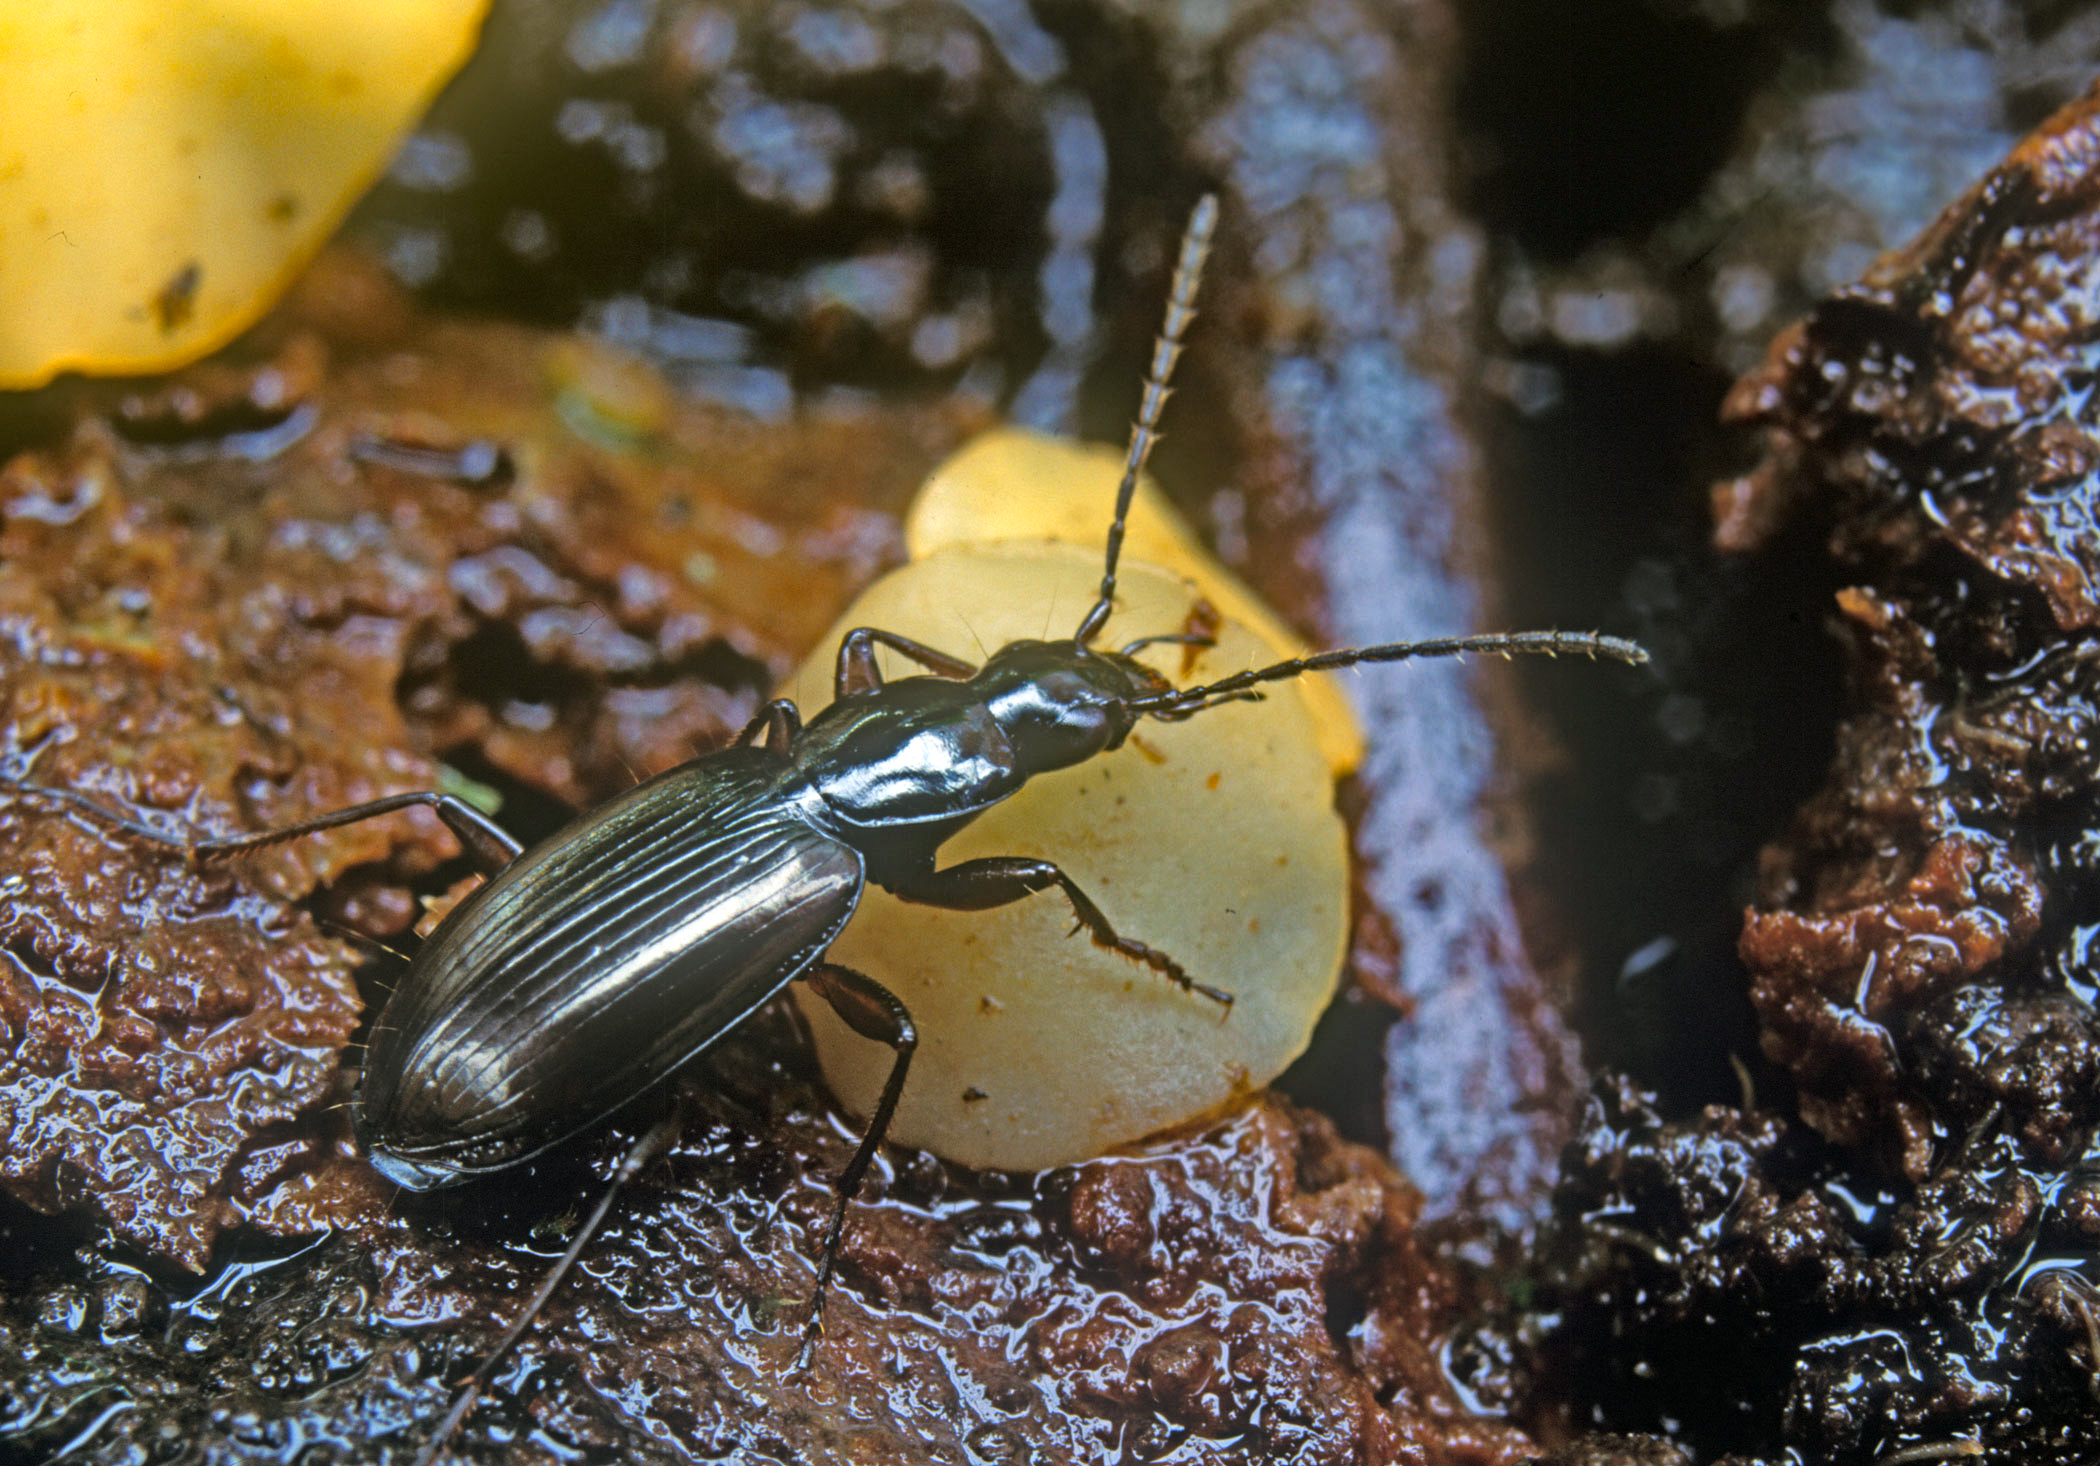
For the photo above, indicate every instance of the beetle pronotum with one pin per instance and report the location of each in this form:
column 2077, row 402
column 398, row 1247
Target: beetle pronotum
column 655, row 923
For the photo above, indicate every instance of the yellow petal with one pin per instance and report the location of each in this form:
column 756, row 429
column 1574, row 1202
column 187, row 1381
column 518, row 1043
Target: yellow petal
column 167, row 166
column 1214, row 840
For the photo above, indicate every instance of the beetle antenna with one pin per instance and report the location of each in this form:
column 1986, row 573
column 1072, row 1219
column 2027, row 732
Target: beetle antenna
column 1591, row 644
column 1144, row 433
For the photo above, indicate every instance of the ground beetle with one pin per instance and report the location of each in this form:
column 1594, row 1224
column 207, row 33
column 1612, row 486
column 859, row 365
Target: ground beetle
column 651, row 926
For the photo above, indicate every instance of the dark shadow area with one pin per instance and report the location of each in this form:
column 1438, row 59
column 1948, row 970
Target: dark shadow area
column 1342, row 1071
column 1649, row 832
column 1583, row 121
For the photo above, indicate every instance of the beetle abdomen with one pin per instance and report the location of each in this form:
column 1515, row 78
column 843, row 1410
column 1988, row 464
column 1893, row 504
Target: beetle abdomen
column 598, row 962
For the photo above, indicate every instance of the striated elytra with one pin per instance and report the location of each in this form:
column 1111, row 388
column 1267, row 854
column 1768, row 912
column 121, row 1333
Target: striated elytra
column 593, row 965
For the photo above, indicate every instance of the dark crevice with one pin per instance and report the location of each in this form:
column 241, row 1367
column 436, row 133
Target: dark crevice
column 1341, row 1072
column 1345, row 1308
column 1688, row 767
column 493, row 666
column 1591, row 121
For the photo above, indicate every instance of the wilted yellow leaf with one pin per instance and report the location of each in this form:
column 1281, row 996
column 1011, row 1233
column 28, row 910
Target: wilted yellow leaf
column 167, row 166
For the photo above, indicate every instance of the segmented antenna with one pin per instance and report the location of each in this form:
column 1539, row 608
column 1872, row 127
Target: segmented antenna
column 1591, row 644
column 1144, row 434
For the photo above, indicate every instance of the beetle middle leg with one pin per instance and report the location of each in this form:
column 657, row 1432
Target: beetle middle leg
column 999, row 880
column 857, row 671
column 872, row 1011
column 489, row 845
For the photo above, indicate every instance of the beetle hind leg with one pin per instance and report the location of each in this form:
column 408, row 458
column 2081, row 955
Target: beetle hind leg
column 488, row 843
column 654, row 1142
column 872, row 1011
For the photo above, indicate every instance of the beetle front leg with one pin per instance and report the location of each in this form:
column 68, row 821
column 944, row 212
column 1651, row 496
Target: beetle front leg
column 998, row 880
column 872, row 1011
column 857, row 671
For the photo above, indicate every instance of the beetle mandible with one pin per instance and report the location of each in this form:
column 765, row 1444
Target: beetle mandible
column 652, row 925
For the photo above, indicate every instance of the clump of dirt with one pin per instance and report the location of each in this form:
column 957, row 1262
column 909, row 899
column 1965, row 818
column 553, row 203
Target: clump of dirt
column 1249, row 1289
column 1907, row 1269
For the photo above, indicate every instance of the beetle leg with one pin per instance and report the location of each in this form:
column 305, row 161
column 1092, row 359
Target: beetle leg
column 872, row 1011
column 780, row 720
column 653, row 1143
column 857, row 671
column 996, row 880
column 491, row 846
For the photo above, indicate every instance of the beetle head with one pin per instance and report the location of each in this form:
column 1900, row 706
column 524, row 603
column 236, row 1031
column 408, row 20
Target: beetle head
column 1059, row 704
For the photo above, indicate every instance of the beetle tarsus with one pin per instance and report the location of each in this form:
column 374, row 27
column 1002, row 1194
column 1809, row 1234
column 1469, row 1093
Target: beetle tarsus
column 488, row 843
column 100, row 815
column 812, row 1333
column 1162, row 964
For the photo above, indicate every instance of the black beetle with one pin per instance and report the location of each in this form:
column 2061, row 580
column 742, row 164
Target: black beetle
column 589, row 968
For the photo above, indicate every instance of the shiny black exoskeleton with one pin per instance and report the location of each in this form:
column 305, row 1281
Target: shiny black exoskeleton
column 590, row 967
column 656, row 922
